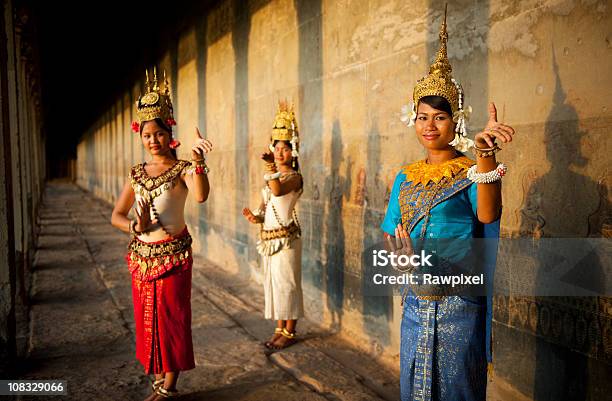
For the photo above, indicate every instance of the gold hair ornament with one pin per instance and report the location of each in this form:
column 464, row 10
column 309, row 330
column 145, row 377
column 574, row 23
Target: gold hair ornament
column 285, row 128
column 155, row 103
column 440, row 82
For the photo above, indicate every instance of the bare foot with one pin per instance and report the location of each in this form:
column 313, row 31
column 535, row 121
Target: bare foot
column 274, row 338
column 283, row 342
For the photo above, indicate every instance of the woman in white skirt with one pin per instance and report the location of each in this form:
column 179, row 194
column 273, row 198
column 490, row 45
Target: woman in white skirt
column 280, row 244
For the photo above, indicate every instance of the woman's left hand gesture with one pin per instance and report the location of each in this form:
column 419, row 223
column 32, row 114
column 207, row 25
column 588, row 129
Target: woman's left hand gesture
column 494, row 130
column 268, row 157
column 248, row 214
column 201, row 147
column 143, row 216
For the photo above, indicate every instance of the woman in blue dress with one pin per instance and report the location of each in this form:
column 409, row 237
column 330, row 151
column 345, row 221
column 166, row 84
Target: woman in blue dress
column 444, row 351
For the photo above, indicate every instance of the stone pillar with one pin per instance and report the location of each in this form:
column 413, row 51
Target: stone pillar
column 7, row 234
column 23, row 173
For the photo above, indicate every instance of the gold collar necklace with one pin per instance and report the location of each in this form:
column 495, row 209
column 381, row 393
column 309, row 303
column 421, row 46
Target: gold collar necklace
column 423, row 173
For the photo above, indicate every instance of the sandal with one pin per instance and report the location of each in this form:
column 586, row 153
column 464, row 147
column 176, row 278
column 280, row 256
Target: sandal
column 269, row 344
column 166, row 393
column 157, row 384
column 290, row 339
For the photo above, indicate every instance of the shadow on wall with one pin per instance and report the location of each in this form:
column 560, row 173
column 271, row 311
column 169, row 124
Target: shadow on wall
column 568, row 340
column 240, row 42
column 236, row 17
column 338, row 190
column 310, row 71
column 201, row 27
column 107, row 159
column 375, row 308
column 90, row 168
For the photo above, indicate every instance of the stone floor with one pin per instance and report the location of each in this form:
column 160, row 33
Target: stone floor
column 82, row 329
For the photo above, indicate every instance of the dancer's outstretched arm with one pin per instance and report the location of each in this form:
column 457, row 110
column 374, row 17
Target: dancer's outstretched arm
column 198, row 184
column 489, row 199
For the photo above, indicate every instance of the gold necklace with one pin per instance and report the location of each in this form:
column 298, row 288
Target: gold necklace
column 423, row 173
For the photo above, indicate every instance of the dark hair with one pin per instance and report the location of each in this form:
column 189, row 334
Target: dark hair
column 165, row 128
column 297, row 163
column 438, row 103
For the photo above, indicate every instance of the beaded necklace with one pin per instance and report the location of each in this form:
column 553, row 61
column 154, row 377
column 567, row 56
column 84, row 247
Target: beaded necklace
column 293, row 213
column 151, row 187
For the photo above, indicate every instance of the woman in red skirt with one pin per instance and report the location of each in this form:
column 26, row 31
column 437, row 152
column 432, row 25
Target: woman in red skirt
column 159, row 253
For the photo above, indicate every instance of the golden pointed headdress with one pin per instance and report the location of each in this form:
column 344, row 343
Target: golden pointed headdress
column 440, row 82
column 284, row 123
column 155, row 103
column 285, row 127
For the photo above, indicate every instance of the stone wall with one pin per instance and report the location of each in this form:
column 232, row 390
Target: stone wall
column 22, row 158
column 349, row 66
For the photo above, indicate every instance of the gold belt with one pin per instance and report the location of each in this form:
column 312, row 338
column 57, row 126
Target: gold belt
column 152, row 250
column 423, row 297
column 431, row 297
column 281, row 232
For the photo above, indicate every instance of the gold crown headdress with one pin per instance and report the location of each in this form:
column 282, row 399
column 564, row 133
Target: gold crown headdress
column 285, row 128
column 155, row 103
column 440, row 82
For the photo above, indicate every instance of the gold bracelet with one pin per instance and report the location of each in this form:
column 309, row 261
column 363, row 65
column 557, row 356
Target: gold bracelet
column 486, row 152
column 494, row 147
column 271, row 167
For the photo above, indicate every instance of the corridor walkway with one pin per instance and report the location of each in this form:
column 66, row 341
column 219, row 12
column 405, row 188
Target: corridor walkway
column 82, row 327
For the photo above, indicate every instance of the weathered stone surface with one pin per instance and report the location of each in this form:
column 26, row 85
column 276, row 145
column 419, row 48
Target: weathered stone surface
column 500, row 390
column 57, row 241
column 281, row 389
column 61, row 257
column 103, row 376
column 75, row 328
column 312, row 366
column 62, row 285
column 52, row 229
column 381, row 379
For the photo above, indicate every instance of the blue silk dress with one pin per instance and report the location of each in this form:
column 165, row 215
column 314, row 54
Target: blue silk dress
column 444, row 343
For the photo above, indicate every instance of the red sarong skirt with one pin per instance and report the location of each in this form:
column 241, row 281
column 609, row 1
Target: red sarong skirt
column 161, row 292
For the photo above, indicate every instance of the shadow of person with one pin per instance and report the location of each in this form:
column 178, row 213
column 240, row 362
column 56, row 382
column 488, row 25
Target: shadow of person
column 311, row 206
column 337, row 188
column 240, row 42
column 377, row 308
column 562, row 204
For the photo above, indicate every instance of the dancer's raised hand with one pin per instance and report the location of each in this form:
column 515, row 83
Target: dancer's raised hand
column 493, row 130
column 200, row 147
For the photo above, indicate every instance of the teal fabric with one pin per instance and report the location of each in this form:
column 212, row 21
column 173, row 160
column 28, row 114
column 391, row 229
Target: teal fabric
column 453, row 218
column 437, row 374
